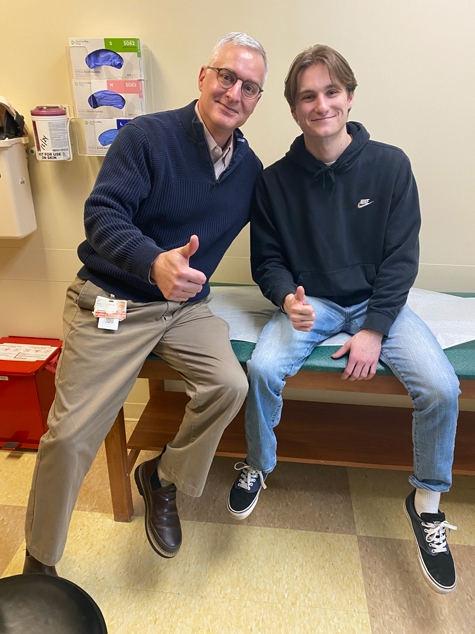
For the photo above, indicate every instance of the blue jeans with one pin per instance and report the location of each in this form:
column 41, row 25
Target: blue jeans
column 410, row 350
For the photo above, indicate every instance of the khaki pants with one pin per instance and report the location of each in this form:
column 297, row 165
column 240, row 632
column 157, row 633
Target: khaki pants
column 97, row 370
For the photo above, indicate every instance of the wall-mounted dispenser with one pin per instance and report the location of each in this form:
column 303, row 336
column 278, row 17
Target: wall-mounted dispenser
column 17, row 213
column 108, row 82
column 51, row 131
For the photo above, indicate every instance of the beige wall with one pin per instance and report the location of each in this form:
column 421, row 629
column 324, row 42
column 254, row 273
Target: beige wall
column 414, row 61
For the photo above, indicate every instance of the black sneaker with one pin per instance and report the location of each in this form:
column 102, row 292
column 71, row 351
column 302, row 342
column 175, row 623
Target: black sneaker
column 435, row 557
column 245, row 490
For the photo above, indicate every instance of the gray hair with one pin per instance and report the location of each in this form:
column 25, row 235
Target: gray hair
column 237, row 38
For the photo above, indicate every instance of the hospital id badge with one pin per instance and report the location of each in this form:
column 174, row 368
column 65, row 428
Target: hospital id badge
column 109, row 311
column 107, row 323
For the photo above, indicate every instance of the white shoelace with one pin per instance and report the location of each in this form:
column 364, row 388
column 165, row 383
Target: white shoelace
column 435, row 535
column 248, row 476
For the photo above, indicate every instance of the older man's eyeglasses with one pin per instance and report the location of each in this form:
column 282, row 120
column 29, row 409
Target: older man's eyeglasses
column 227, row 78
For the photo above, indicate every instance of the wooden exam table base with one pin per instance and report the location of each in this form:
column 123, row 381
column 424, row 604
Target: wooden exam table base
column 311, row 432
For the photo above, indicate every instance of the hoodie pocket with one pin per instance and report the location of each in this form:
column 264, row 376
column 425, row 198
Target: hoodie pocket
column 358, row 278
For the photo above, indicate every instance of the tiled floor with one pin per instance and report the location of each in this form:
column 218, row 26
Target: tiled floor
column 327, row 550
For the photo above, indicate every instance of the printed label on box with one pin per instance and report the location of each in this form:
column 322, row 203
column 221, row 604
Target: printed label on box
column 112, row 98
column 99, row 134
column 117, row 44
column 24, row 352
column 106, row 58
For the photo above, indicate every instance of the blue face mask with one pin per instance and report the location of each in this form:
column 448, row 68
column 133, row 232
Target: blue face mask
column 106, row 98
column 107, row 137
column 104, row 57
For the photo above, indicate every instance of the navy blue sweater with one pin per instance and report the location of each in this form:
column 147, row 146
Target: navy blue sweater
column 346, row 232
column 156, row 188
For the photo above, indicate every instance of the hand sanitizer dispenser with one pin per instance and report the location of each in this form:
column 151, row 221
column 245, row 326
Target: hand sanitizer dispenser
column 17, row 213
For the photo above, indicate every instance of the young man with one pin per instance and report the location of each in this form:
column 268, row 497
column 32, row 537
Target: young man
column 173, row 192
column 334, row 243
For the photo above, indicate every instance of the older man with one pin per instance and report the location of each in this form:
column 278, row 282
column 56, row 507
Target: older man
column 172, row 194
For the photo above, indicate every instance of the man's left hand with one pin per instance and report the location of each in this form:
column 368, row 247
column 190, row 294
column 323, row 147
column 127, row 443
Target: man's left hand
column 364, row 349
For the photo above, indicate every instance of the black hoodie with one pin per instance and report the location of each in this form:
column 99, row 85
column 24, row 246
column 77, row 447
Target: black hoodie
column 346, row 232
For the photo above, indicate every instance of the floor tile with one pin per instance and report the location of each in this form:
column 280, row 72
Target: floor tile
column 15, row 565
column 107, row 553
column 459, row 508
column 394, row 624
column 126, row 611
column 12, row 520
column 213, row 558
column 316, row 575
column 396, row 589
column 295, row 567
column 16, row 470
column 298, row 496
column 317, row 588
column 201, row 615
column 378, row 497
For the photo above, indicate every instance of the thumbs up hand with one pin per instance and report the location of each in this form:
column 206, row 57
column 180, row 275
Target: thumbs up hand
column 300, row 295
column 301, row 314
column 189, row 249
column 172, row 274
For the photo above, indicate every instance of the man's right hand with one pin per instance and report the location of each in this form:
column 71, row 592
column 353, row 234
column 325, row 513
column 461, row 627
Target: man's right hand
column 301, row 314
column 172, row 274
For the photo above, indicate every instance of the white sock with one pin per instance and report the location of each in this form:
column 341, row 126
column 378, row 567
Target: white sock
column 426, row 501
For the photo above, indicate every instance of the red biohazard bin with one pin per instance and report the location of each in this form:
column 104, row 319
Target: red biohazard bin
column 26, row 393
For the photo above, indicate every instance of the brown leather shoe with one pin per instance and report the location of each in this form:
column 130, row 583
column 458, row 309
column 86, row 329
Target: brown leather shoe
column 162, row 524
column 32, row 565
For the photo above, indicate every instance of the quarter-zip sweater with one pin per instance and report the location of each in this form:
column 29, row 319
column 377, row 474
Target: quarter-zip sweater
column 346, row 232
column 156, row 188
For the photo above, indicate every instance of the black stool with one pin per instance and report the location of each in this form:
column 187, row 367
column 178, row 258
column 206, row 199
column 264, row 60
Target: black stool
column 43, row 604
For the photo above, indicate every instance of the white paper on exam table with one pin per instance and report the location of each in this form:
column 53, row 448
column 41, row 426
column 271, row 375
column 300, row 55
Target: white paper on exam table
column 451, row 318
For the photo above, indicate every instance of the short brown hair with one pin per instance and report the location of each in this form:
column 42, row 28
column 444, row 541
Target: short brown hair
column 338, row 67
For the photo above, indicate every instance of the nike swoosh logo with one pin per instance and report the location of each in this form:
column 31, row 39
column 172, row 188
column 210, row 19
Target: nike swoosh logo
column 364, row 203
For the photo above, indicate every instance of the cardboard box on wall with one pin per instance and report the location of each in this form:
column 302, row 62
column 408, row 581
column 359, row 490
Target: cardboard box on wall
column 99, row 134
column 109, row 98
column 106, row 58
